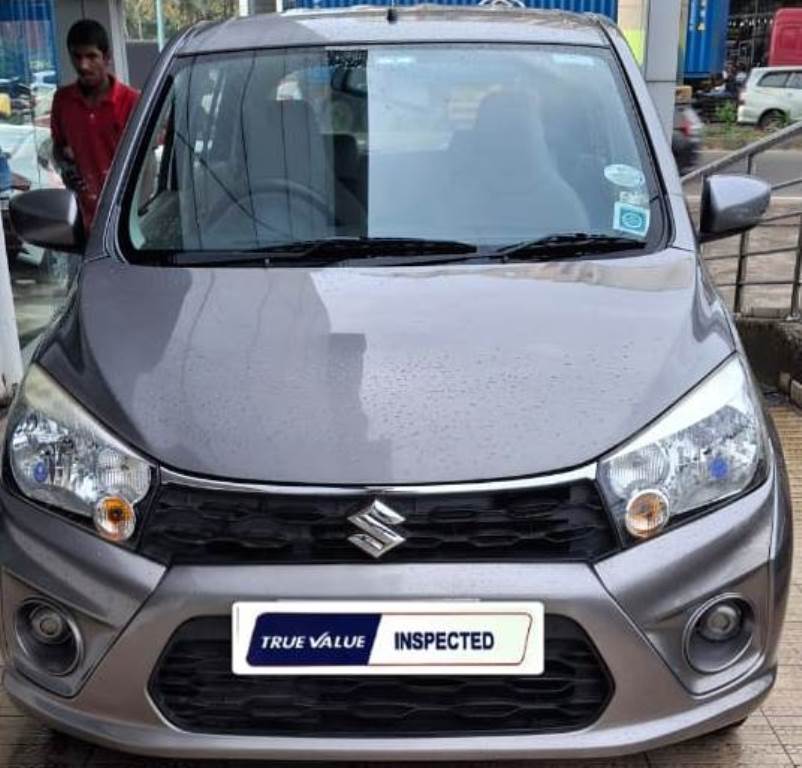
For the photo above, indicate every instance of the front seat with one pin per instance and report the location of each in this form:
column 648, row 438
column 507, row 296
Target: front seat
column 283, row 141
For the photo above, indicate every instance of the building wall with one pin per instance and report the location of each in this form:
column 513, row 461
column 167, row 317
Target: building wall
column 141, row 55
column 633, row 16
column 262, row 6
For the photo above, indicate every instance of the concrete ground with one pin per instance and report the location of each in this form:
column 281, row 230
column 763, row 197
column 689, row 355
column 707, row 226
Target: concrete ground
column 772, row 736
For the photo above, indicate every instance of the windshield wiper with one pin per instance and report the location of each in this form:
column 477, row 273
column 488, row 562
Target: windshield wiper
column 379, row 251
column 571, row 243
column 335, row 250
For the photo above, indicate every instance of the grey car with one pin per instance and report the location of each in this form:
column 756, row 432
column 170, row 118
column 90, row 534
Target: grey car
column 417, row 435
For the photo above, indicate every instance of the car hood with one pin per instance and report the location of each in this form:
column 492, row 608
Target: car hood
column 386, row 375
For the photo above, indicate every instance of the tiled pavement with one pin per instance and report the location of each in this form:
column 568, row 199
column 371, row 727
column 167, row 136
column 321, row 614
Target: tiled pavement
column 771, row 737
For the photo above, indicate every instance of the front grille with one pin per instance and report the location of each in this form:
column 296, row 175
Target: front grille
column 194, row 688
column 203, row 526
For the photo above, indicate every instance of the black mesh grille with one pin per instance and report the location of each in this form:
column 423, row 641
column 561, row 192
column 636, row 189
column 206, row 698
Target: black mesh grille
column 195, row 689
column 558, row 523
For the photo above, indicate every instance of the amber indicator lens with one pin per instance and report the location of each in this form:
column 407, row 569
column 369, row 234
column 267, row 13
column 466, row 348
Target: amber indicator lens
column 647, row 514
column 115, row 518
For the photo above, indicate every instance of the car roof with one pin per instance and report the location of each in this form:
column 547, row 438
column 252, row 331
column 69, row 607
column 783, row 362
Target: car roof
column 420, row 23
column 785, row 68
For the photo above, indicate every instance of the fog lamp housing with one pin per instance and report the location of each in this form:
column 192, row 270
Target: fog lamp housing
column 48, row 637
column 719, row 633
column 721, row 622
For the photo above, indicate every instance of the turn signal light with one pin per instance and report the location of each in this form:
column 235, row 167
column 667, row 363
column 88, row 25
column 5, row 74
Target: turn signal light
column 115, row 518
column 647, row 514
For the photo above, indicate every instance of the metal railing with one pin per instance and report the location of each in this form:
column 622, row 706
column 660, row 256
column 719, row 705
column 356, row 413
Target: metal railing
column 750, row 154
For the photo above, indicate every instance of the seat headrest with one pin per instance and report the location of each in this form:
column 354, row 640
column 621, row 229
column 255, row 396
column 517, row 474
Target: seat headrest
column 502, row 111
column 291, row 115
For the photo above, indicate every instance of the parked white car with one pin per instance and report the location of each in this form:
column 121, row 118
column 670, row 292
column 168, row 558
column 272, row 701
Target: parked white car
column 772, row 97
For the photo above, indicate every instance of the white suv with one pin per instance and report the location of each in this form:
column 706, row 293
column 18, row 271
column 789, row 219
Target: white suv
column 772, row 97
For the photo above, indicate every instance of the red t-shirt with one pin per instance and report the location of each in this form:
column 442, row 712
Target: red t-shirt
column 92, row 132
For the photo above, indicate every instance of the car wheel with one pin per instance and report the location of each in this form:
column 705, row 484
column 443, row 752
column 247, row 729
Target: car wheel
column 773, row 120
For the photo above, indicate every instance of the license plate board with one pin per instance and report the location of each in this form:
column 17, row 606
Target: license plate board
column 387, row 638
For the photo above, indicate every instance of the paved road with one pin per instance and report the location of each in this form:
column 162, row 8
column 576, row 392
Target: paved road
column 774, row 166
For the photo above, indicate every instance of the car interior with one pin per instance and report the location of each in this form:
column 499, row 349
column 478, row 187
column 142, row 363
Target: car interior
column 321, row 159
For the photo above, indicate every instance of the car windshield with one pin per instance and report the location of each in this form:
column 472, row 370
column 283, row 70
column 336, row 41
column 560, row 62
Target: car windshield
column 483, row 146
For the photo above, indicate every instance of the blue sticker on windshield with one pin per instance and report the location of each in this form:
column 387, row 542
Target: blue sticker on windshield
column 631, row 218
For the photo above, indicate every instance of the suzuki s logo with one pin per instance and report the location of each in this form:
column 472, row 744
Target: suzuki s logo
column 378, row 537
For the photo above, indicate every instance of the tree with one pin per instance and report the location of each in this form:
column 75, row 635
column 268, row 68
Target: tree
column 140, row 19
column 140, row 15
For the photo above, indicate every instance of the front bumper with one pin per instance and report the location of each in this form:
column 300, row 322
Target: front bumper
column 748, row 115
column 634, row 606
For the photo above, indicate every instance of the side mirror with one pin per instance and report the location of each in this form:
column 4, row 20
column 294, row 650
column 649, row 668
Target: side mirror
column 49, row 218
column 731, row 205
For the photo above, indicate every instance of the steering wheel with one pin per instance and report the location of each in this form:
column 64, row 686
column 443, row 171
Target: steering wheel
column 279, row 184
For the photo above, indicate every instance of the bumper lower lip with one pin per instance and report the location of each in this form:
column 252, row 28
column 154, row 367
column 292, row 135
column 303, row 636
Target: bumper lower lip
column 631, row 609
column 159, row 738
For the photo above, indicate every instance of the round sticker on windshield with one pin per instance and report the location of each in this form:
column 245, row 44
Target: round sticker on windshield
column 624, row 176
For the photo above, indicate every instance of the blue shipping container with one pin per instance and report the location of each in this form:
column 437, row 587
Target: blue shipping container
column 606, row 7
column 706, row 38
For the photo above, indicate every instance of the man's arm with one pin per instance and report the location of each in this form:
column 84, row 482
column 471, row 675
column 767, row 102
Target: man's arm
column 63, row 157
column 56, row 133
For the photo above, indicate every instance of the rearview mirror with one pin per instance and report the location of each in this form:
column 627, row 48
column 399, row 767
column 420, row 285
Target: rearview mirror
column 49, row 218
column 731, row 205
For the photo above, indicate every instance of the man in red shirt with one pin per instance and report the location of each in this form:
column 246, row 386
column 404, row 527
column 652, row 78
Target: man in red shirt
column 88, row 117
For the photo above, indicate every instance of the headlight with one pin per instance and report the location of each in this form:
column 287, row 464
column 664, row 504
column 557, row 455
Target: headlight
column 61, row 456
column 709, row 447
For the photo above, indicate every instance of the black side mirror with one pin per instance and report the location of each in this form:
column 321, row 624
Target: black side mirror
column 732, row 204
column 49, row 218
